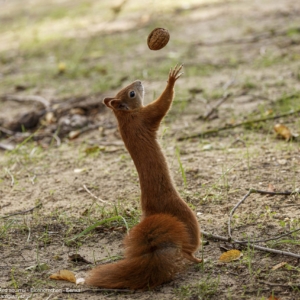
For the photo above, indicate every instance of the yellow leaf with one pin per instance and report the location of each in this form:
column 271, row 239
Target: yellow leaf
column 64, row 275
column 230, row 255
column 283, row 131
column 61, row 67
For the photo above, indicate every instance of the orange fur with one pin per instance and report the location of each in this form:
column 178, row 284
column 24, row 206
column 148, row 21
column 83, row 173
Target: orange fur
column 169, row 231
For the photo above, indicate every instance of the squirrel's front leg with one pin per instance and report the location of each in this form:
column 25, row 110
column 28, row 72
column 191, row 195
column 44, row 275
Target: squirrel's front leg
column 155, row 111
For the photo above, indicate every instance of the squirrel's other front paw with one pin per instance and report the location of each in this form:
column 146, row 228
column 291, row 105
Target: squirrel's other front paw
column 175, row 73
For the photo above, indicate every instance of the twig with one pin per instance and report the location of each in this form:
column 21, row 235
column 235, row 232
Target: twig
column 36, row 98
column 289, row 205
column 259, row 97
column 221, row 101
column 8, row 147
column 270, row 250
column 22, row 212
column 213, row 109
column 226, row 127
column 103, row 201
column 13, row 133
column 252, row 191
column 215, row 236
column 32, row 179
column 6, row 131
column 29, row 233
column 11, row 176
column 251, row 243
column 271, row 239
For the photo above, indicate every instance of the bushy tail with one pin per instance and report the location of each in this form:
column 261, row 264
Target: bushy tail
column 153, row 255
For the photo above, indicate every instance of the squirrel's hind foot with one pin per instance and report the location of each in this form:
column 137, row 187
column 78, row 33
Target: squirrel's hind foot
column 192, row 258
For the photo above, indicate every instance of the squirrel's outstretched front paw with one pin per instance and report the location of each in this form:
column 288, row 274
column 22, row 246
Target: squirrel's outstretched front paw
column 175, row 73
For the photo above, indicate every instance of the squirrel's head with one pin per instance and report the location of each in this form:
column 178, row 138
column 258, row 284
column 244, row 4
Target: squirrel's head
column 129, row 98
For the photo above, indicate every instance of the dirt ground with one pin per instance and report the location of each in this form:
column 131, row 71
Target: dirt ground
column 55, row 184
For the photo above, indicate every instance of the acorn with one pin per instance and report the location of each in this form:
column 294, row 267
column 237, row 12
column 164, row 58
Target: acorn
column 158, row 38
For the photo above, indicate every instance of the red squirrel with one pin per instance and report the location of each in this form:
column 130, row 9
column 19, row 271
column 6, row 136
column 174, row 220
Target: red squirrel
column 156, row 248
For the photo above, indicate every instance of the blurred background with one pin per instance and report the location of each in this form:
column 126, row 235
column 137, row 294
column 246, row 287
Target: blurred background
column 61, row 49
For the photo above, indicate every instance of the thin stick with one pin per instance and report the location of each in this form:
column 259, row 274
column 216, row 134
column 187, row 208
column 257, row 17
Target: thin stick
column 29, row 233
column 36, row 98
column 289, row 205
column 215, row 236
column 103, row 201
column 221, row 101
column 13, row 133
column 274, row 238
column 226, row 127
column 32, row 179
column 6, row 131
column 251, row 191
column 22, row 212
column 265, row 249
column 11, row 176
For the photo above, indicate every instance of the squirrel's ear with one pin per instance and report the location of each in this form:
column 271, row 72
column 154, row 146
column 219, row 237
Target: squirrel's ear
column 118, row 105
column 106, row 101
column 115, row 104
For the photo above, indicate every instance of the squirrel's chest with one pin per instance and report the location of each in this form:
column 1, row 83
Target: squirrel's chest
column 132, row 130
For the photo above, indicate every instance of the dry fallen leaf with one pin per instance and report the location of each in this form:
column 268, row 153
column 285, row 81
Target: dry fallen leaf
column 64, row 275
column 50, row 118
column 282, row 131
column 230, row 255
column 271, row 188
column 74, row 134
column 77, row 111
column 278, row 266
column 79, row 170
column 282, row 161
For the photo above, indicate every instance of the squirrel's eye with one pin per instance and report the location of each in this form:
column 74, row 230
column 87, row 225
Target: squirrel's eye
column 132, row 94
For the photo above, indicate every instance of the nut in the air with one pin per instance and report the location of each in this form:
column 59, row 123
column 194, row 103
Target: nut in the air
column 158, row 38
